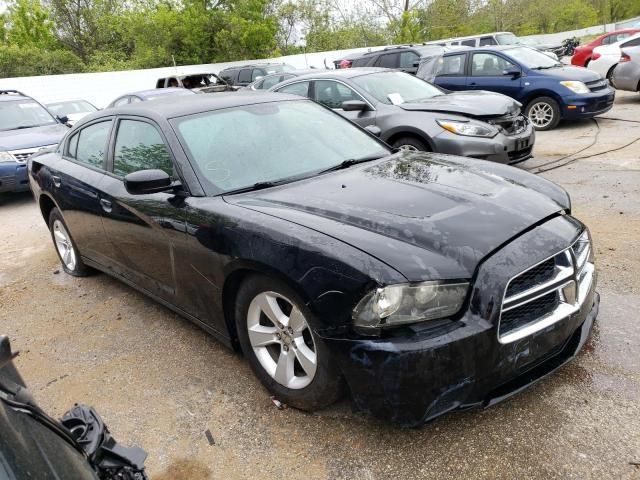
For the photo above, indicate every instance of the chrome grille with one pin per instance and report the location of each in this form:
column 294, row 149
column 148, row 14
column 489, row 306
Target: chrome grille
column 547, row 292
column 23, row 155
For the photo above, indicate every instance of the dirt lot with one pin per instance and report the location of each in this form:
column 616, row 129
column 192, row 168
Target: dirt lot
column 161, row 382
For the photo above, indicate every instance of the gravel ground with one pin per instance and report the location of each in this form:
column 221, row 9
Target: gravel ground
column 161, row 382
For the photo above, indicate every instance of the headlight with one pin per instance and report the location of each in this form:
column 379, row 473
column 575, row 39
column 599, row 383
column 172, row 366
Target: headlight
column 461, row 127
column 404, row 303
column 576, row 87
column 6, row 157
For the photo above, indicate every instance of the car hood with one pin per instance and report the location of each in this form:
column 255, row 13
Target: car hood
column 32, row 137
column 570, row 73
column 474, row 103
column 428, row 216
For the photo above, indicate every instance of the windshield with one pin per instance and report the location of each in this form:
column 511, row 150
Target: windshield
column 22, row 114
column 68, row 108
column 508, row 39
column 531, row 58
column 239, row 147
column 394, row 88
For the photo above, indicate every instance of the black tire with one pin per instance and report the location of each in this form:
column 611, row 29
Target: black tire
column 610, row 73
column 411, row 142
column 326, row 387
column 79, row 269
column 546, row 103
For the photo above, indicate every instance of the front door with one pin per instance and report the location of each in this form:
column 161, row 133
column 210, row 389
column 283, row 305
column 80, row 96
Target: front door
column 332, row 94
column 488, row 72
column 146, row 230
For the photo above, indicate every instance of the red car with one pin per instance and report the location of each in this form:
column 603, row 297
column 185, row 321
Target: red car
column 582, row 55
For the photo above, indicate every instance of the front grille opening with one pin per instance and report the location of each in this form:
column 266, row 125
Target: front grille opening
column 537, row 275
column 528, row 313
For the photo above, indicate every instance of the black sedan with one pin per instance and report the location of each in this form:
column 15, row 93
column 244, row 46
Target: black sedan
column 423, row 282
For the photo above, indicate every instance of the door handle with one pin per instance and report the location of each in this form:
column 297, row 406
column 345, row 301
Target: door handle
column 56, row 181
column 473, row 84
column 106, row 205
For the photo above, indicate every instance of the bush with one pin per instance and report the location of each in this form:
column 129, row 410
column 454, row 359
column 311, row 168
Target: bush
column 31, row 61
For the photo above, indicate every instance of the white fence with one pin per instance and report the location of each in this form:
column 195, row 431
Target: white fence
column 101, row 88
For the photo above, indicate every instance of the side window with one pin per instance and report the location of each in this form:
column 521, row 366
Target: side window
column 360, row 62
column 607, row 40
column 487, row 41
column 622, row 36
column 229, row 76
column 92, row 144
column 451, row 65
column 407, row 59
column 469, row 43
column 488, row 65
column 139, row 146
column 72, row 146
column 244, row 76
column 121, row 101
column 332, row 94
column 301, row 89
column 269, row 82
column 257, row 72
column 389, row 60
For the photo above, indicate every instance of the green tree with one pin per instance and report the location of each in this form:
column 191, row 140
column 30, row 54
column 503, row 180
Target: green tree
column 29, row 25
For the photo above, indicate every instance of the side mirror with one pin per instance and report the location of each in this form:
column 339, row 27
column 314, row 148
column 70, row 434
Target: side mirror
column 147, row 181
column 354, row 106
column 63, row 119
column 373, row 130
column 513, row 72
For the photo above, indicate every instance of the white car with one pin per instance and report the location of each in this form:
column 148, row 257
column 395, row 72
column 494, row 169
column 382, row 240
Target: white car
column 605, row 57
column 74, row 110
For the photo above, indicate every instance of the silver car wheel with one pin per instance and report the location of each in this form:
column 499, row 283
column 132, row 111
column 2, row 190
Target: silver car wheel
column 64, row 245
column 541, row 114
column 408, row 148
column 282, row 342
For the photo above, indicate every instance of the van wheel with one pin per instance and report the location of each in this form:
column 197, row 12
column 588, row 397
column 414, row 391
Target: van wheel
column 276, row 335
column 65, row 246
column 411, row 144
column 543, row 113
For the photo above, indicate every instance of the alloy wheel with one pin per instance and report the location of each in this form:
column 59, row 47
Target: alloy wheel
column 64, row 245
column 281, row 340
column 541, row 115
column 408, row 148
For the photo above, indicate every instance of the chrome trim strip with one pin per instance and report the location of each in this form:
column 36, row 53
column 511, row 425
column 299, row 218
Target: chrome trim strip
column 560, row 313
column 564, row 273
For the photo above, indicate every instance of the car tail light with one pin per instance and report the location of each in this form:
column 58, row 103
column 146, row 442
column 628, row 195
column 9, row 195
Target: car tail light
column 595, row 56
column 345, row 64
column 624, row 58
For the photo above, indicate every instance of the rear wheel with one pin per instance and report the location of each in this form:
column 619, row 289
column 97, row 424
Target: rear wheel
column 610, row 73
column 65, row 246
column 275, row 331
column 411, row 144
column 543, row 112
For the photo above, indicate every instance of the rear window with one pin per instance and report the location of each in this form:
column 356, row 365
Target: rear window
column 451, row 65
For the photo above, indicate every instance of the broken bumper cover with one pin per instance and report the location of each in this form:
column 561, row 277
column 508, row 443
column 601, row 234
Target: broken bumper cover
column 459, row 365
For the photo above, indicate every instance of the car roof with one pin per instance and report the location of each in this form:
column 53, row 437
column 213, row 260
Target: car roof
column 494, row 48
column 345, row 72
column 253, row 65
column 155, row 91
column 9, row 95
column 172, row 107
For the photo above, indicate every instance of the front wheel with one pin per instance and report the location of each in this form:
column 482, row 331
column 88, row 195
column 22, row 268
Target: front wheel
column 410, row 144
column 65, row 246
column 275, row 332
column 543, row 112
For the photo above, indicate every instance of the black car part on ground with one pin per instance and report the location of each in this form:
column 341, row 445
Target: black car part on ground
column 35, row 445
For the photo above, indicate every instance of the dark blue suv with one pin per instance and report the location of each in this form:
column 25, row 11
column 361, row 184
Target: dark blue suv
column 549, row 90
column 25, row 127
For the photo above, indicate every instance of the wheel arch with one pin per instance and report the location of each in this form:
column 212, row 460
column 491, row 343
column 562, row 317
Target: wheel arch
column 395, row 134
column 46, row 204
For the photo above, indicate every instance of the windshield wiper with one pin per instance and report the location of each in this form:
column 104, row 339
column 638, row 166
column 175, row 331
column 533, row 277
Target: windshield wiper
column 350, row 162
column 251, row 188
column 555, row 65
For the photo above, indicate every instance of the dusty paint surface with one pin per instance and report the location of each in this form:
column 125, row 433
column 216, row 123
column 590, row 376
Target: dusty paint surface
column 161, row 382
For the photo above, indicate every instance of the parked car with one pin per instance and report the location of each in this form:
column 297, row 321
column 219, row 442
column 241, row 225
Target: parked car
column 265, row 83
column 34, row 445
column 74, row 110
column 495, row 38
column 26, row 126
column 147, row 95
column 403, row 57
column 582, row 55
column 605, row 58
column 626, row 75
column 197, row 82
column 243, row 75
column 549, row 90
column 326, row 258
column 414, row 115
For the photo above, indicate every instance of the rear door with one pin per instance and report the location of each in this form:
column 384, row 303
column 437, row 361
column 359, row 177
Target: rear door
column 332, row 94
column 487, row 72
column 77, row 181
column 451, row 72
column 145, row 230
